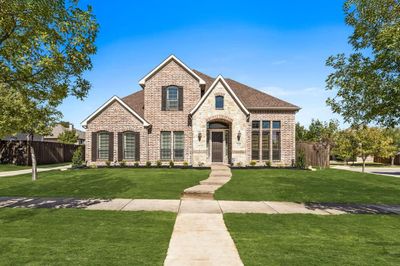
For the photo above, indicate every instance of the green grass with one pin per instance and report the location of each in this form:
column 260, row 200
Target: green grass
column 81, row 237
column 12, row 167
column 105, row 183
column 328, row 185
column 316, row 240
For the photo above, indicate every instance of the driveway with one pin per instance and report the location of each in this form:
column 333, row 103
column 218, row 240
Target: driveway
column 389, row 171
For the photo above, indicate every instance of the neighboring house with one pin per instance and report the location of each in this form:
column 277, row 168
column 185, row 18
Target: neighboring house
column 23, row 136
column 59, row 128
column 184, row 115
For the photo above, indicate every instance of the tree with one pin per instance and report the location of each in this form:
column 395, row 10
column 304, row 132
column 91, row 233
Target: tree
column 45, row 47
column 345, row 145
column 394, row 134
column 301, row 132
column 18, row 113
column 368, row 80
column 371, row 142
column 68, row 137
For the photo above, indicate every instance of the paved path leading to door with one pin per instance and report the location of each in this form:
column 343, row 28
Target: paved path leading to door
column 29, row 171
column 219, row 176
column 200, row 236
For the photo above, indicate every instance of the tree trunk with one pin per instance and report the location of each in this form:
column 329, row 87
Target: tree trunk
column 363, row 164
column 392, row 160
column 33, row 156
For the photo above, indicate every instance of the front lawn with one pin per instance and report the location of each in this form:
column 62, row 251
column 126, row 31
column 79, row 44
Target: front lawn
column 328, row 185
column 79, row 237
column 12, row 167
column 105, row 183
column 290, row 239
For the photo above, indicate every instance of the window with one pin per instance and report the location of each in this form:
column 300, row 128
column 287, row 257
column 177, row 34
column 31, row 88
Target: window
column 103, row 146
column 276, row 124
column 172, row 145
column 179, row 141
column 255, row 124
column 172, row 102
column 129, row 146
column 165, row 145
column 266, row 140
column 219, row 102
column 265, row 145
column 255, row 145
column 276, row 145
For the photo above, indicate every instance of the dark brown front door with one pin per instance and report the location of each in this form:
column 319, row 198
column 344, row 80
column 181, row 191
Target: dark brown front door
column 217, row 146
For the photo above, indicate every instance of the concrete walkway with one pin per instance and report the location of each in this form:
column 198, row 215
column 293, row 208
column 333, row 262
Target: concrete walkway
column 29, row 171
column 219, row 176
column 385, row 171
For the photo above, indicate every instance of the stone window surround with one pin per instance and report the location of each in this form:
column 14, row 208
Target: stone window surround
column 270, row 130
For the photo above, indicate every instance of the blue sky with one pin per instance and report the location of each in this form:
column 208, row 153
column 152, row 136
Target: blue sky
column 279, row 47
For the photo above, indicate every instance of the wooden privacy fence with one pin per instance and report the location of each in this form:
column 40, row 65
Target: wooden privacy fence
column 315, row 153
column 387, row 160
column 17, row 152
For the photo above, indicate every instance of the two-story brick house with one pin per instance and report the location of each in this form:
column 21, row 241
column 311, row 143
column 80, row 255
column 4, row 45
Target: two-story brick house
column 184, row 115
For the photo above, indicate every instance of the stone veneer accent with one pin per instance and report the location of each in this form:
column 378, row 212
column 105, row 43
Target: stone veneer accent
column 170, row 74
column 231, row 114
column 288, row 142
column 115, row 118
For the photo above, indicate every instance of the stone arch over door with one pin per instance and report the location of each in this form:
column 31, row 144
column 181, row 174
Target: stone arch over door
column 219, row 139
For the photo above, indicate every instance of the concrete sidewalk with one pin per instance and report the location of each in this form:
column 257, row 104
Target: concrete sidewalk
column 29, row 171
column 385, row 171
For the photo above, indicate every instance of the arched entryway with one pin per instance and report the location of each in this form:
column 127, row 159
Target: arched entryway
column 219, row 141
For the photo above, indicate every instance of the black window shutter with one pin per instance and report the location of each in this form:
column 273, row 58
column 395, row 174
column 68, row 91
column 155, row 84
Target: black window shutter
column 163, row 98
column 180, row 93
column 94, row 146
column 137, row 146
column 111, row 146
column 120, row 147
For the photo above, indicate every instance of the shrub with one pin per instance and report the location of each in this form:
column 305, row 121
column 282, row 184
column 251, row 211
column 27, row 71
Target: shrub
column 171, row 164
column 136, row 164
column 93, row 166
column 239, row 164
column 108, row 163
column 201, row 164
column 185, row 164
column 148, row 164
column 253, row 163
column 268, row 163
column 301, row 160
column 77, row 158
column 159, row 163
column 122, row 163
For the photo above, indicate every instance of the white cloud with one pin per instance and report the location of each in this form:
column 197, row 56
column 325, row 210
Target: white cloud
column 279, row 62
column 279, row 91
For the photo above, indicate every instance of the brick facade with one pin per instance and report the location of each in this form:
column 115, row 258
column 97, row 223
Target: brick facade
column 116, row 118
column 170, row 74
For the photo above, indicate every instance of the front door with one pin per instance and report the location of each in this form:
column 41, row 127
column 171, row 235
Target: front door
column 217, row 140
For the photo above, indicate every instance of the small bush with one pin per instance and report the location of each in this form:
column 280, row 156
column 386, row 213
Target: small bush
column 301, row 160
column 268, row 163
column 108, row 163
column 77, row 158
column 239, row 164
column 201, row 164
column 136, row 164
column 253, row 163
column 122, row 163
column 148, row 164
column 185, row 164
column 159, row 163
column 93, row 166
column 171, row 164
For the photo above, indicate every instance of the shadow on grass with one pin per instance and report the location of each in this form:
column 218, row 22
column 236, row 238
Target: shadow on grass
column 357, row 208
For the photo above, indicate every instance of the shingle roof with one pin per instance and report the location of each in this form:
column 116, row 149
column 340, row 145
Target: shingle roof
column 250, row 97
column 136, row 102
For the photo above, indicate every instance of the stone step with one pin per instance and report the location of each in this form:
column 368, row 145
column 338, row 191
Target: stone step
column 197, row 196
column 215, row 181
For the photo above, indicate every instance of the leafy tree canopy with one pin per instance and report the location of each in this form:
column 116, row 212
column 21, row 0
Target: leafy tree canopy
column 368, row 80
column 318, row 131
column 68, row 137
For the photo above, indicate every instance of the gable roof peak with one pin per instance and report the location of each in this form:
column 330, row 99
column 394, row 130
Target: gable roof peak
column 170, row 58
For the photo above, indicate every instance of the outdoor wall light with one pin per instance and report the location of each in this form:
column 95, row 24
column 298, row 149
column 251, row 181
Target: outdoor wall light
column 199, row 136
column 239, row 135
